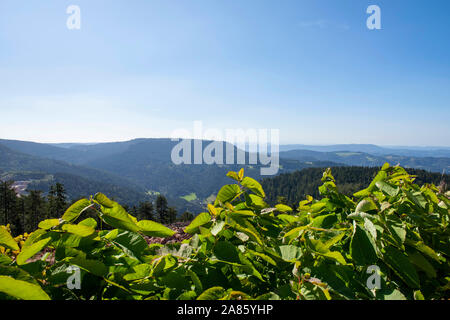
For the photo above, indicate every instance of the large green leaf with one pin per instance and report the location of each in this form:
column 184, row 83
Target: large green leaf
column 400, row 264
column 366, row 205
column 116, row 216
column 21, row 289
column 29, row 252
column 79, row 230
column 289, row 253
column 283, row 208
column 202, row 219
column 48, row 224
column 5, row 260
column 422, row 263
column 225, row 251
column 362, row 248
column 324, row 221
column 387, row 188
column 396, row 228
column 252, row 200
column 381, row 176
column 154, row 229
column 132, row 243
column 322, row 249
column 253, row 185
column 76, row 209
column 95, row 267
column 7, row 240
column 227, row 193
column 104, row 200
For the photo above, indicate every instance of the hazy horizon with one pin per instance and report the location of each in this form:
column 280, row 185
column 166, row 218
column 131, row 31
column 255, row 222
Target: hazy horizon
column 281, row 144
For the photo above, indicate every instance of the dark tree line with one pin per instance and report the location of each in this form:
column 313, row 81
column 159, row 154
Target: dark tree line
column 290, row 188
column 24, row 212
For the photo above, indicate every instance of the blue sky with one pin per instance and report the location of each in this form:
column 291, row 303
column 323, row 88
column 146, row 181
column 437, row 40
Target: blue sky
column 146, row 68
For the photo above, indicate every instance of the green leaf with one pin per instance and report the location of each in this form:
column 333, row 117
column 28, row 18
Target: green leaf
column 131, row 243
column 227, row 193
column 48, row 224
column 242, row 213
column 396, row 228
column 418, row 295
column 335, row 255
column 323, row 249
column 214, row 293
column 252, row 200
column 218, row 226
column 330, row 242
column 400, row 264
column 362, row 249
column 233, row 175
column 79, row 230
column 387, row 188
column 35, row 236
column 390, row 294
column 140, row 271
column 89, row 222
column 96, row 267
column 419, row 261
column 244, row 226
column 283, row 208
column 196, row 280
column 5, row 260
column 422, row 247
column 241, row 173
column 117, row 217
column 76, row 209
column 104, row 200
column 324, row 221
column 21, row 289
column 225, row 251
column 200, row 220
column 29, row 252
column 294, row 233
column 7, row 240
column 365, row 205
column 360, row 216
column 17, row 273
column 254, row 186
column 289, row 253
column 317, row 207
column 263, row 256
column 154, row 229
column 163, row 264
column 370, row 227
column 381, row 176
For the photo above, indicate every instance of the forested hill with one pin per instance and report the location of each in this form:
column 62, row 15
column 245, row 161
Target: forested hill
column 294, row 186
column 355, row 158
column 41, row 173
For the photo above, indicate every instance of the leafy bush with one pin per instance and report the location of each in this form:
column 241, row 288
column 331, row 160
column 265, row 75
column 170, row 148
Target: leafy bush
column 243, row 249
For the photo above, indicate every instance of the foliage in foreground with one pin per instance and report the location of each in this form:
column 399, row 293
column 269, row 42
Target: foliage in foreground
column 243, row 249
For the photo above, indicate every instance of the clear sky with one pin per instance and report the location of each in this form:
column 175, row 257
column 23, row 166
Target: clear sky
column 146, row 68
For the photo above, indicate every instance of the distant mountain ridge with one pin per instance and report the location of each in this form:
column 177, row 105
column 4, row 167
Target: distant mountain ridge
column 144, row 166
column 374, row 149
column 356, row 158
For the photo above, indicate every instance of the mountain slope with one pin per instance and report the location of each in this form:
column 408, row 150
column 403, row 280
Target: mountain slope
column 365, row 159
column 148, row 162
column 14, row 162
